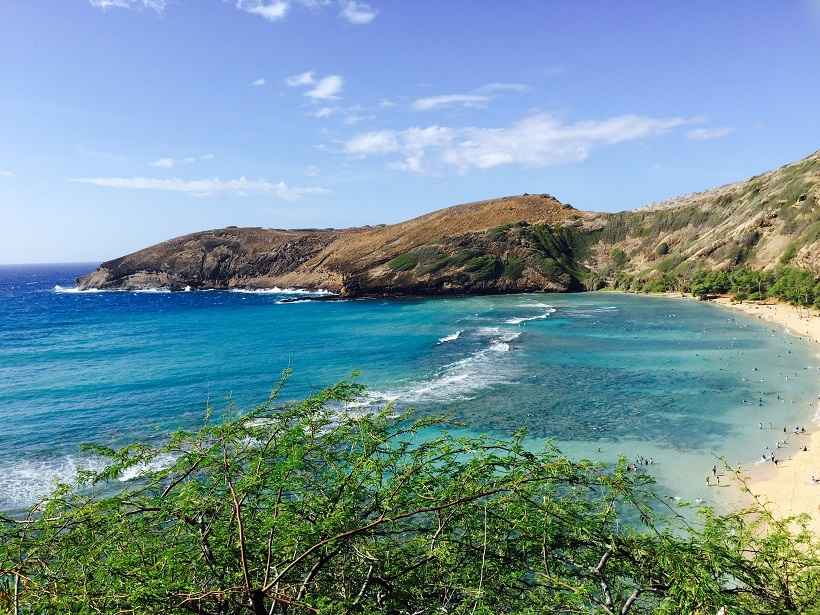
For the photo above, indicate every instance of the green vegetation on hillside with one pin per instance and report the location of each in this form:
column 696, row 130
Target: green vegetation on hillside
column 792, row 284
column 303, row 508
column 554, row 252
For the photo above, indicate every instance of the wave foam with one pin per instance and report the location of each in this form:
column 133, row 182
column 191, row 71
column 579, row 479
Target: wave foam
column 484, row 368
column 450, row 338
column 70, row 290
column 319, row 292
column 24, row 483
column 517, row 320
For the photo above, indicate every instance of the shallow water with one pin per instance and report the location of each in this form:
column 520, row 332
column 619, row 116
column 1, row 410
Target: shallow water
column 678, row 381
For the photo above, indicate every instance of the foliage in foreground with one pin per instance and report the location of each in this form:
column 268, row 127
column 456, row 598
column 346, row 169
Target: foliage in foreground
column 308, row 508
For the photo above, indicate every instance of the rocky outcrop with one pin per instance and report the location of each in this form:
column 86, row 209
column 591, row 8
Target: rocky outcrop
column 351, row 262
column 512, row 244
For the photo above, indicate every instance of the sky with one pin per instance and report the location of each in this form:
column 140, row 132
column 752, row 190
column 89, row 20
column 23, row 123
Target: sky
column 124, row 123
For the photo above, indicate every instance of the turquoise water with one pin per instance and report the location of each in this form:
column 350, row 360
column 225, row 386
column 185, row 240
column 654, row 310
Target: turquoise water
column 602, row 374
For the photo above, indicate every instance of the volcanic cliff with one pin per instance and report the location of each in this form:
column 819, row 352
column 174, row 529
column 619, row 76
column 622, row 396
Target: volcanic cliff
column 511, row 244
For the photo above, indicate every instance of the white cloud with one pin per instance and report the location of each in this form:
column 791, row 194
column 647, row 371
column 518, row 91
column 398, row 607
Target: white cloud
column 357, row 13
column 207, row 187
column 7, row 173
column 272, row 11
column 258, row 82
column 705, row 134
column 157, row 5
column 535, row 141
column 169, row 163
column 325, row 88
column 301, row 79
column 369, row 143
column 498, row 87
column 468, row 100
column 477, row 98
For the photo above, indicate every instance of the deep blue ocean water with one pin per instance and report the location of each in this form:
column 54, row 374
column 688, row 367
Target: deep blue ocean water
column 602, row 374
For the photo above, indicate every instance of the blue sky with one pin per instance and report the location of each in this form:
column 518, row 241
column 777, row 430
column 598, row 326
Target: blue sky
column 127, row 122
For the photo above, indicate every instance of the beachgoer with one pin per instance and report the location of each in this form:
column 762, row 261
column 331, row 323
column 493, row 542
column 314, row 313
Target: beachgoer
column 760, row 425
column 707, row 482
column 650, row 461
column 714, row 470
column 718, row 480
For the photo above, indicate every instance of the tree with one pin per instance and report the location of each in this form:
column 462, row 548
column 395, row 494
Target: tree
column 322, row 507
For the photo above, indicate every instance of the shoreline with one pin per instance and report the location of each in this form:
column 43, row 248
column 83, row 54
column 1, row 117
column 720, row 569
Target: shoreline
column 785, row 488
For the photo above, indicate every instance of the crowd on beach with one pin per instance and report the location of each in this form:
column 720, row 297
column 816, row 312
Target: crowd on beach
column 778, row 477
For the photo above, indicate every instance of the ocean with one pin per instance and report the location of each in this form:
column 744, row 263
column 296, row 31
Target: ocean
column 598, row 374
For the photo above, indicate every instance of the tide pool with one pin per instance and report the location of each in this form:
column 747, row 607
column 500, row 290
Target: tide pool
column 600, row 374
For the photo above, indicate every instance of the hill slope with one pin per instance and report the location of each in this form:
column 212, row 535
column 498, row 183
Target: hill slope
column 512, row 244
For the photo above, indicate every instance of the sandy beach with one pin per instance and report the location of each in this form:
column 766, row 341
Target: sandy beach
column 788, row 487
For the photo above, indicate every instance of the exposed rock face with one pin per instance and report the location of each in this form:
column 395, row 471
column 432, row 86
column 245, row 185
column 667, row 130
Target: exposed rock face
column 512, row 244
column 352, row 262
column 769, row 219
column 224, row 258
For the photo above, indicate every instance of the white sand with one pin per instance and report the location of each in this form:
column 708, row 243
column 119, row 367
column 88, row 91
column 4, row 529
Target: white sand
column 788, row 487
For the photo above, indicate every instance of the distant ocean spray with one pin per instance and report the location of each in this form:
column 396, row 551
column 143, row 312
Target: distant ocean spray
column 600, row 374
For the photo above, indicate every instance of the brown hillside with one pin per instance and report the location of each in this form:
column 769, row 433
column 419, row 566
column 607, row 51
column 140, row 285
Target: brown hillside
column 510, row 244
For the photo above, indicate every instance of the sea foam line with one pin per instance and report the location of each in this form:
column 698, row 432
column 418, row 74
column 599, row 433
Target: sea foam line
column 461, row 379
column 450, row 338
column 321, row 292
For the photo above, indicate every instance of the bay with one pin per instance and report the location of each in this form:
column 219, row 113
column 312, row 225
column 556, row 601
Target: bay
column 599, row 374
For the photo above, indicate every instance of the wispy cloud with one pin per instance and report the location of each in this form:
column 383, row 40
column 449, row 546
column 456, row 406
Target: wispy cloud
column 258, row 82
column 705, row 134
column 272, row 11
column 326, row 88
column 207, row 187
column 300, row 79
column 7, row 173
column 157, row 5
column 477, row 98
column 169, row 163
column 535, row 141
column 357, row 13
column 467, row 100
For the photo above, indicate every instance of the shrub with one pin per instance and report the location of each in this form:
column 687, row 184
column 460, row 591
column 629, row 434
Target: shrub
column 619, row 258
column 514, row 267
column 404, row 262
column 788, row 254
column 487, row 267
